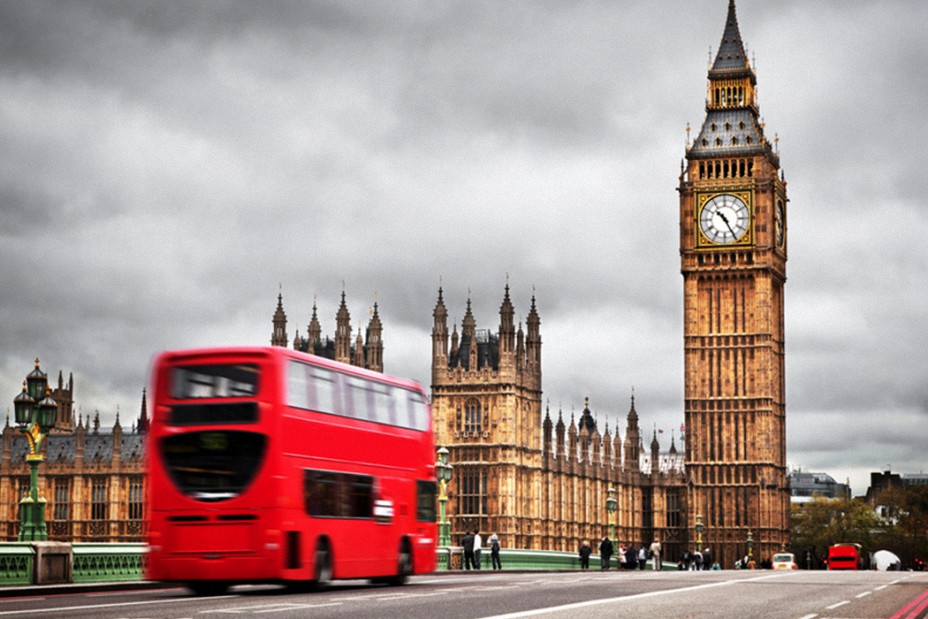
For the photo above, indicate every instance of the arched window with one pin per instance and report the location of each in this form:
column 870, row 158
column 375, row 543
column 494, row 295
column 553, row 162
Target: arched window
column 472, row 417
column 472, row 490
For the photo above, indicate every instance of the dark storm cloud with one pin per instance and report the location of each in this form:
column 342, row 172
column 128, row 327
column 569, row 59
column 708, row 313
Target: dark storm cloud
column 165, row 166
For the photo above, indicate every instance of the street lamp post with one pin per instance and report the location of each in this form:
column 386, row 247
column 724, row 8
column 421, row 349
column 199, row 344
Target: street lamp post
column 750, row 544
column 611, row 505
column 36, row 413
column 699, row 529
column 443, row 472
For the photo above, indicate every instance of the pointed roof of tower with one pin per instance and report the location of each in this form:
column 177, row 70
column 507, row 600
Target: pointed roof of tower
column 343, row 308
column 732, row 125
column 142, row 424
column 375, row 316
column 632, row 413
column 469, row 324
column 731, row 54
column 440, row 312
column 586, row 417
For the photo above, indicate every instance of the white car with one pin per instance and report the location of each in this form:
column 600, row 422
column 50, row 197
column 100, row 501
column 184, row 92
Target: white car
column 785, row 561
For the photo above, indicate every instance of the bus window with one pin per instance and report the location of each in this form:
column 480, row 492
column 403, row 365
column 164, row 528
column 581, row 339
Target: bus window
column 329, row 494
column 298, row 385
column 419, row 411
column 325, row 388
column 384, row 409
column 214, row 381
column 404, row 416
column 356, row 401
column 426, row 491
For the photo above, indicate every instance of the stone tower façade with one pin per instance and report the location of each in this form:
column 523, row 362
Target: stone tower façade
column 733, row 261
column 536, row 483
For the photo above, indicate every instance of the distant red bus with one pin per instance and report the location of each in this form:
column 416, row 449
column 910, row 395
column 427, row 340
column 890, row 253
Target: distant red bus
column 846, row 556
column 270, row 465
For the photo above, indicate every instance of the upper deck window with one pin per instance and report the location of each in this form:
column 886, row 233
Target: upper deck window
column 214, row 381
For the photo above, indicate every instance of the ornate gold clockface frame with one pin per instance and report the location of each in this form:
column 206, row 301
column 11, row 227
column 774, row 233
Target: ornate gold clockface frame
column 724, row 219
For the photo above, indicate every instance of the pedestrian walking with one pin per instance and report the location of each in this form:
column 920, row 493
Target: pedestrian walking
column 605, row 553
column 642, row 557
column 494, row 552
column 585, row 551
column 655, row 552
column 468, row 543
column 477, row 548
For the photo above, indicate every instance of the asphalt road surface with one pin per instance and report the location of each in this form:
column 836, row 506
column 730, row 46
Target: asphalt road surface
column 516, row 595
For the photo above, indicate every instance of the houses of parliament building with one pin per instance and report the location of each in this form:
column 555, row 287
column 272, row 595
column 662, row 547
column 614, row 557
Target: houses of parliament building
column 523, row 471
column 540, row 483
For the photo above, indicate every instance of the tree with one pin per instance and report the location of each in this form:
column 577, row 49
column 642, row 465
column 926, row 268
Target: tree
column 822, row 522
column 905, row 510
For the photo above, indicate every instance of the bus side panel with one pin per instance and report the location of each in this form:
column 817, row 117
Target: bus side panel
column 361, row 547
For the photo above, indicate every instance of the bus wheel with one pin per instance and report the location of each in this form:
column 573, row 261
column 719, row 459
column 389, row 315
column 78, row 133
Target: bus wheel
column 208, row 587
column 403, row 564
column 323, row 567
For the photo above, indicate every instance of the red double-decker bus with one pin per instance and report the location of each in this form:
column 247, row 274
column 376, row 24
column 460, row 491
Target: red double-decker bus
column 847, row 556
column 270, row 465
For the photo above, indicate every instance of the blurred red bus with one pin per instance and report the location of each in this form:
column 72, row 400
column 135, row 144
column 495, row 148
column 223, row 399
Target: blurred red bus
column 270, row 465
column 847, row 556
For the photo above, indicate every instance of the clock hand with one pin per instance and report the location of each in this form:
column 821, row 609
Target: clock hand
column 728, row 225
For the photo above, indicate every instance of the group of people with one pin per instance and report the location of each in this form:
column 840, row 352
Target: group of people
column 697, row 560
column 628, row 557
column 473, row 545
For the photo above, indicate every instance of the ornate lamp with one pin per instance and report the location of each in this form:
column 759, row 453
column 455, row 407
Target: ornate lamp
column 443, row 471
column 36, row 413
column 47, row 412
column 611, row 505
column 22, row 407
column 750, row 545
column 699, row 530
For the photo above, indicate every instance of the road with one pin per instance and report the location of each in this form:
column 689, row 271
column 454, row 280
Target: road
column 510, row 595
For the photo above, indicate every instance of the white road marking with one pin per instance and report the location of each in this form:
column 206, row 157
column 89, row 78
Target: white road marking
column 264, row 608
column 863, row 595
column 834, row 606
column 637, row 596
column 47, row 611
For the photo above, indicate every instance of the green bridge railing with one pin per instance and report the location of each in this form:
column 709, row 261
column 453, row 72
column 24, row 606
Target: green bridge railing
column 452, row 559
column 125, row 562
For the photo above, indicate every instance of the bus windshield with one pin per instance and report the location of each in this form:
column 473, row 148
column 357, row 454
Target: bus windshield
column 213, row 465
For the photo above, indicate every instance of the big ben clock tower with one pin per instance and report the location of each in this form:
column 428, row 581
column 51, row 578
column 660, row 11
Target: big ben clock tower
column 733, row 214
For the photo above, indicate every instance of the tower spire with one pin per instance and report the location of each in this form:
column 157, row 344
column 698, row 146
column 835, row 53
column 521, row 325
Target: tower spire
column 731, row 54
column 279, row 334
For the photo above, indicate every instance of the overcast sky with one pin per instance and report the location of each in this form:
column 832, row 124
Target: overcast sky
column 166, row 166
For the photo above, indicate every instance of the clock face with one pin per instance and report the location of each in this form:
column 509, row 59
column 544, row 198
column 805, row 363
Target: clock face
column 778, row 223
column 725, row 219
